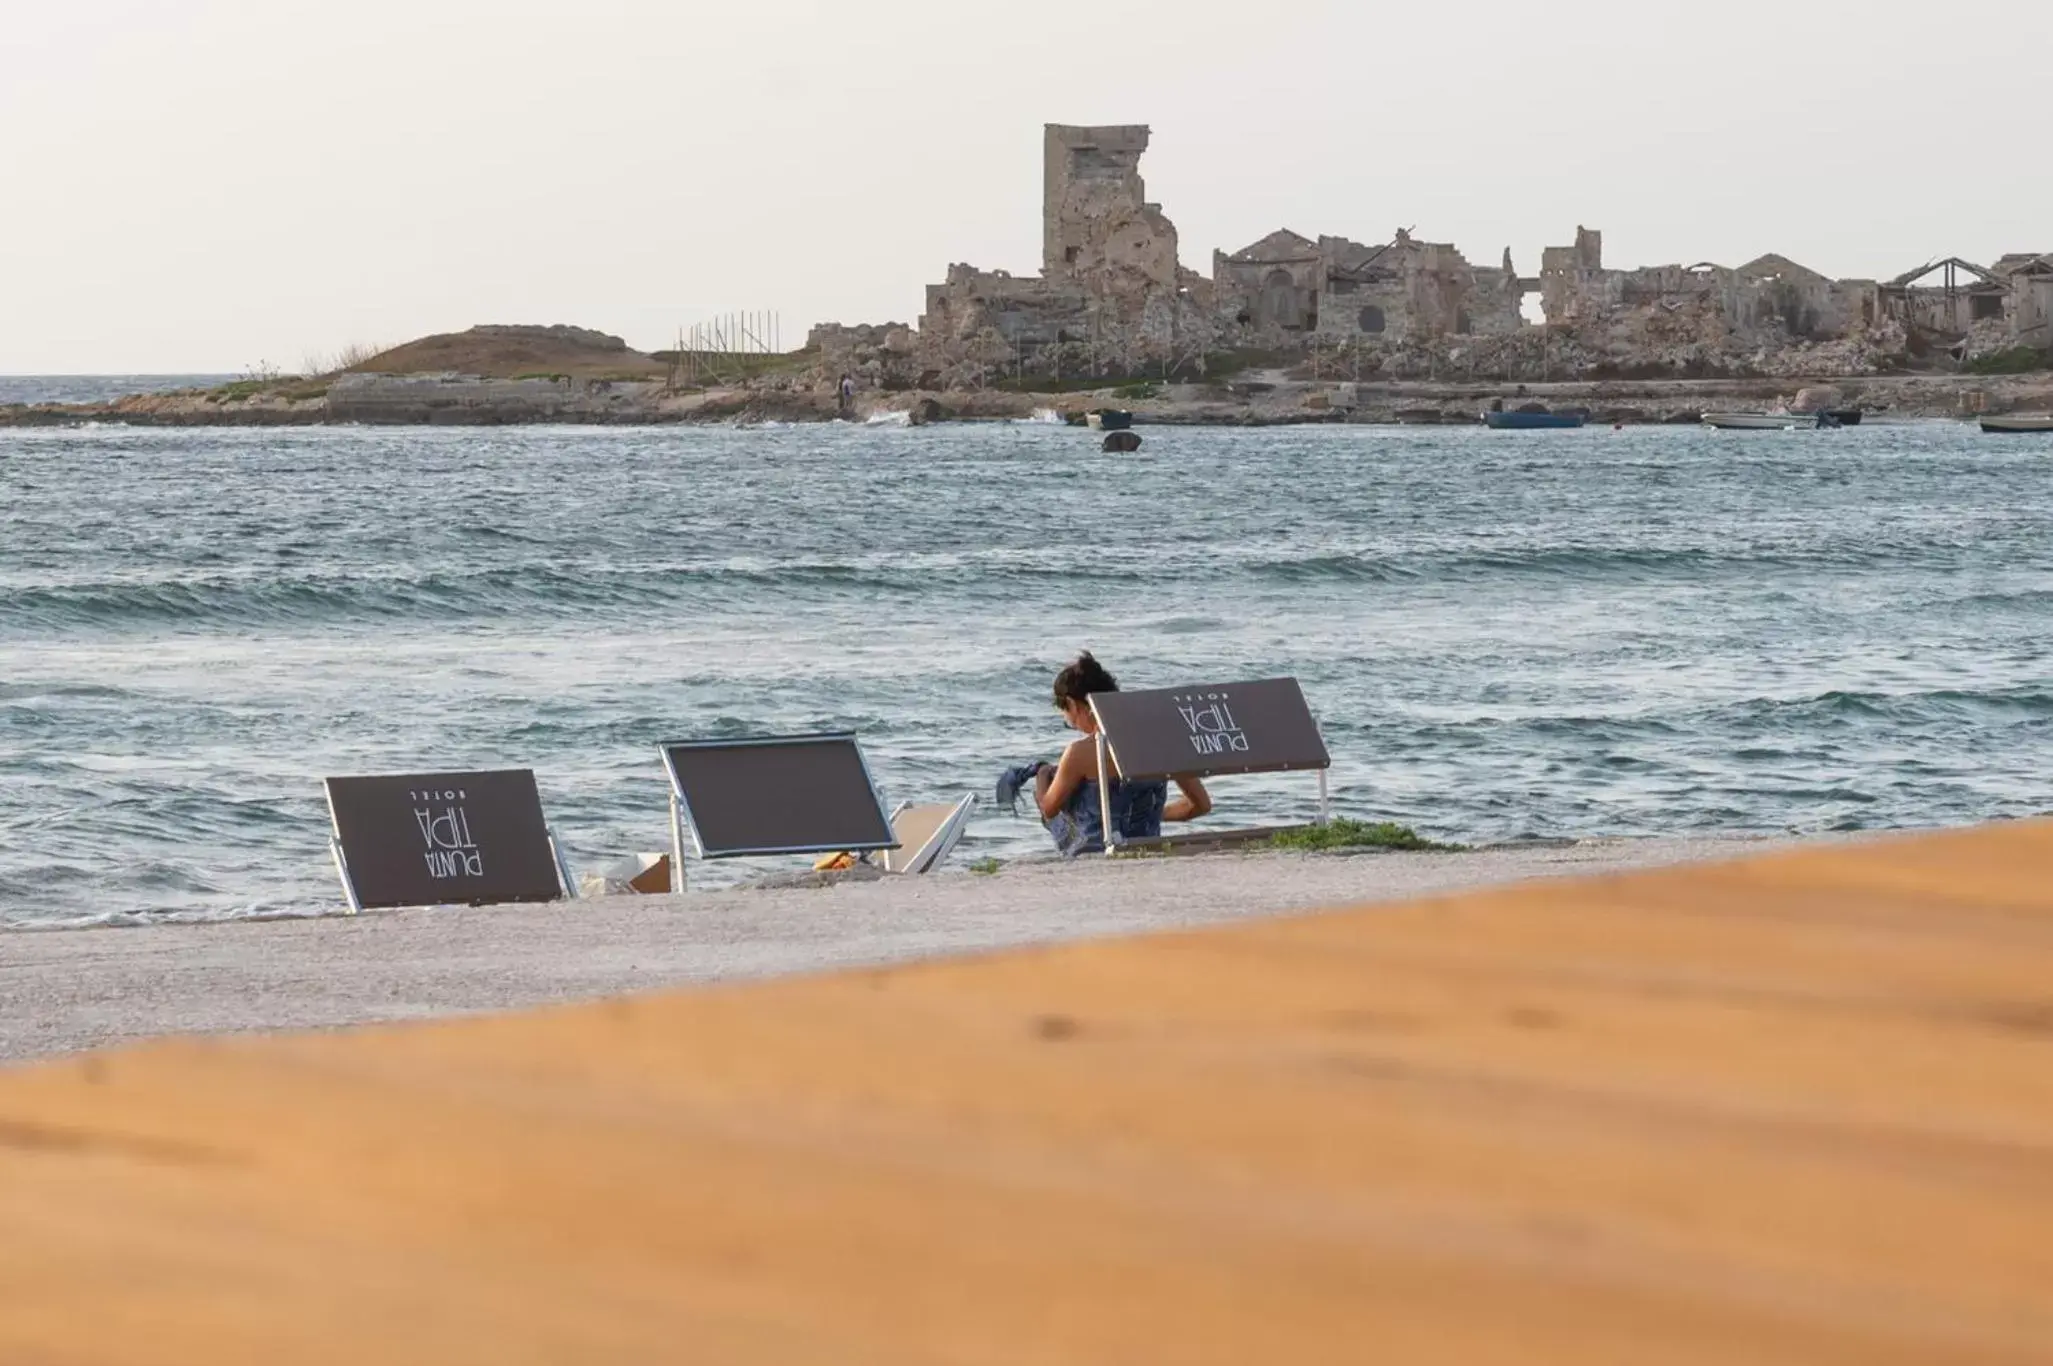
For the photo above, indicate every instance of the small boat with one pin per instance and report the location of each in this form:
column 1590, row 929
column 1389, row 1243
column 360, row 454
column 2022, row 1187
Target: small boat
column 1108, row 419
column 2022, row 422
column 1525, row 422
column 1766, row 422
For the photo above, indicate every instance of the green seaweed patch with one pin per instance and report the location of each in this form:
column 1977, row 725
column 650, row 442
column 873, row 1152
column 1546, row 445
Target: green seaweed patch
column 985, row 867
column 1342, row 833
column 238, row 391
column 2018, row 360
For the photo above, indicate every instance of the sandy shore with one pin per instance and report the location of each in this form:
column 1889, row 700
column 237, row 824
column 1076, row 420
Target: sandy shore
column 1788, row 1110
column 67, row 990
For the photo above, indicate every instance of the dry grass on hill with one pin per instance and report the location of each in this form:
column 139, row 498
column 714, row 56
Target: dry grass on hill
column 511, row 352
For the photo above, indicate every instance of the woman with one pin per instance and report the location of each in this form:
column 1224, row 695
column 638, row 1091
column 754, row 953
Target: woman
column 1067, row 791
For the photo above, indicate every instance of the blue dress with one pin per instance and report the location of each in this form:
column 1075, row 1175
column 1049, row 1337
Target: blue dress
column 1079, row 827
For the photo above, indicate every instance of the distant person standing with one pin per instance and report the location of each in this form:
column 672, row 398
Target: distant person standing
column 847, row 396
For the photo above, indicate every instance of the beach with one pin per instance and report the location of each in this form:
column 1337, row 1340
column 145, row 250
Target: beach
column 1788, row 1108
column 68, row 990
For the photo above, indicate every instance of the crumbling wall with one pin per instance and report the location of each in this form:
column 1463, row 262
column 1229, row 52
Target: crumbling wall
column 2028, row 297
column 1111, row 292
column 2032, row 314
column 1270, row 289
column 1287, row 286
column 1096, row 221
column 1024, row 311
column 471, row 400
column 1711, row 319
column 1573, row 283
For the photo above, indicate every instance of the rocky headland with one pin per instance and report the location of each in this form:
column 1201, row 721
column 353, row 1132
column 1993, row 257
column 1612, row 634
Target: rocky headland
column 498, row 375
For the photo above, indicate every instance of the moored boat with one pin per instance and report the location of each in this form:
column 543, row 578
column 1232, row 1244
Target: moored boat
column 2020, row 422
column 1520, row 422
column 1762, row 422
column 1108, row 419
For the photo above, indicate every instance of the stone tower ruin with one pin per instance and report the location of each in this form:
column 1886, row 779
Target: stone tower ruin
column 1095, row 218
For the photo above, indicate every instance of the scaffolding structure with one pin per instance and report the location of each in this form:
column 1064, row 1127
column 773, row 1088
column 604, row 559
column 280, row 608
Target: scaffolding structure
column 726, row 348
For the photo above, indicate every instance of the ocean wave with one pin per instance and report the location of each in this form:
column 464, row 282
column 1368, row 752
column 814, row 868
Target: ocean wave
column 1332, row 569
column 449, row 595
column 497, row 572
column 43, row 692
column 1591, row 564
column 1838, row 707
column 136, row 918
column 484, row 593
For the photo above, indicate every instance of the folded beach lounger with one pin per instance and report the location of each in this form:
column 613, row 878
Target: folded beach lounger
column 926, row 833
column 771, row 794
column 439, row 839
column 1207, row 730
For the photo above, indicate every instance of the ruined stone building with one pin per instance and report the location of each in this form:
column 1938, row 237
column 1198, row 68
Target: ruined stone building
column 1776, row 306
column 1769, row 297
column 2029, row 287
column 1963, row 306
column 1112, row 298
column 1111, row 290
column 1110, row 287
column 1097, row 227
column 1289, row 287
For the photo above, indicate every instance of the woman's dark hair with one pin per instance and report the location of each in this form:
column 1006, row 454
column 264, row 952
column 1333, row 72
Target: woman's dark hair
column 1080, row 679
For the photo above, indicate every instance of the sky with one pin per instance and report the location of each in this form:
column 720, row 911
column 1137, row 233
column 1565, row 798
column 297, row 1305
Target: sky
column 210, row 186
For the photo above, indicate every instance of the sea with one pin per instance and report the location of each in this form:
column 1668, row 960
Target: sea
column 96, row 388
column 1505, row 636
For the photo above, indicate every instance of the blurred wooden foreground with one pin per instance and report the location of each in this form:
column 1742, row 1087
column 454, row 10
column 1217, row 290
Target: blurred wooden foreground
column 1798, row 1109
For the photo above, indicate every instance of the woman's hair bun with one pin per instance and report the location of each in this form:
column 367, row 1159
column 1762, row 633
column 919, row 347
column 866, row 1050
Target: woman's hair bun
column 1079, row 679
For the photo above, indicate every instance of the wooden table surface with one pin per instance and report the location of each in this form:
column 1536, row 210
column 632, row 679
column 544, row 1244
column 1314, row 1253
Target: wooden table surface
column 1792, row 1109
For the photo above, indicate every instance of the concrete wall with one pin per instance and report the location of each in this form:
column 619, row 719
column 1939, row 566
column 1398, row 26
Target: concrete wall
column 468, row 400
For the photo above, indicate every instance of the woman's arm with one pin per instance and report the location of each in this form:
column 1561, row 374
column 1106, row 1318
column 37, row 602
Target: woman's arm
column 1075, row 765
column 1194, row 802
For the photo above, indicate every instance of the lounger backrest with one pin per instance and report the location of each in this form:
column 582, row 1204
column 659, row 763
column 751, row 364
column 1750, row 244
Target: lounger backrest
column 776, row 794
column 1262, row 726
column 429, row 839
column 925, row 834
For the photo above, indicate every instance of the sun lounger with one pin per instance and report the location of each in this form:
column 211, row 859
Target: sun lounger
column 1206, row 730
column 437, row 839
column 926, row 833
column 771, row 794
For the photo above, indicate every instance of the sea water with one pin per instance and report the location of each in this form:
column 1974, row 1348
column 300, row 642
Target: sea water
column 1505, row 635
column 96, row 388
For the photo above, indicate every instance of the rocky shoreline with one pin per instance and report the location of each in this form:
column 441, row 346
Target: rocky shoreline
column 1260, row 399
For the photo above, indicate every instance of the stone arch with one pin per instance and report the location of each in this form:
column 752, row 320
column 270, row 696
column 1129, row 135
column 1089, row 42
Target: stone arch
column 1278, row 304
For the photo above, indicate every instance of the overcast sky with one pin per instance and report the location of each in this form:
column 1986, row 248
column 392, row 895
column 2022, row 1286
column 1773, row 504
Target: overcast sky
column 204, row 185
